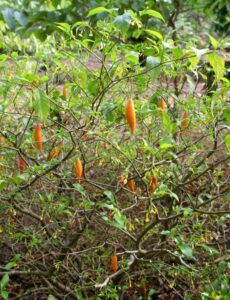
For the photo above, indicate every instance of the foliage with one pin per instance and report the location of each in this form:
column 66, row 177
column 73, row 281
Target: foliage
column 70, row 209
column 40, row 17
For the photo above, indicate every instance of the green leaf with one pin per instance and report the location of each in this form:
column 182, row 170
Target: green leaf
column 177, row 53
column 80, row 23
column 13, row 262
column 41, row 106
column 187, row 211
column 221, row 267
column 5, row 295
column 209, row 249
column 21, row 18
column 167, row 122
column 155, row 33
column 226, row 114
column 152, row 13
column 78, row 295
column 217, row 64
column 166, row 142
column 2, row 184
column 227, row 141
column 118, row 220
column 187, row 297
column 194, row 61
column 18, row 179
column 213, row 41
column 173, row 195
column 8, row 15
column 132, row 57
column 122, row 22
column 93, row 87
column 5, row 280
column 10, row 265
column 3, row 57
column 64, row 27
column 56, row 2
column 153, row 64
column 165, row 146
column 98, row 10
column 110, row 196
column 186, row 250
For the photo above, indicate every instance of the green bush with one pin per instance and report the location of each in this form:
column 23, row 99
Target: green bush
column 58, row 232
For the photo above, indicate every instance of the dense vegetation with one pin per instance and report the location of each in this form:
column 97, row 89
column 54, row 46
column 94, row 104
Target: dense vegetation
column 114, row 149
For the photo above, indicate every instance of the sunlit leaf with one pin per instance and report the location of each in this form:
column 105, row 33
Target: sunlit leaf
column 217, row 64
column 64, row 27
column 122, row 22
column 152, row 13
column 98, row 10
column 154, row 33
column 226, row 114
column 213, row 41
column 227, row 141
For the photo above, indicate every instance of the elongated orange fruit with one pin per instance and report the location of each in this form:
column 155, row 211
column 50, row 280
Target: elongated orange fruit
column 78, row 169
column 2, row 139
column 114, row 263
column 54, row 153
column 143, row 291
column 162, row 104
column 131, row 185
column 64, row 93
column 185, row 120
column 130, row 115
column 38, row 136
column 153, row 184
column 22, row 164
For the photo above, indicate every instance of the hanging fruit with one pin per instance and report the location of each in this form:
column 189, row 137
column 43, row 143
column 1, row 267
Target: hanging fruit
column 64, row 93
column 54, row 153
column 114, row 264
column 153, row 184
column 185, row 120
column 131, row 115
column 22, row 164
column 38, row 136
column 78, row 169
column 143, row 291
column 131, row 185
column 162, row 104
